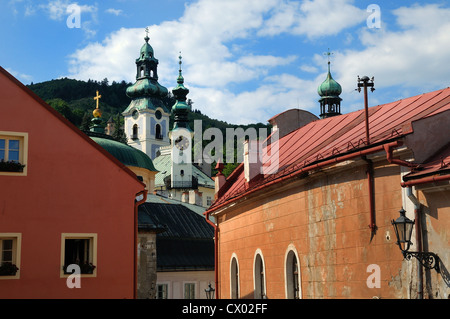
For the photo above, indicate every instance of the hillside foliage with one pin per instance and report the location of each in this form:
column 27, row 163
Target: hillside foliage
column 74, row 99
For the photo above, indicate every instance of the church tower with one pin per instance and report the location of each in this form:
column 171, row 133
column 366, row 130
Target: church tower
column 181, row 138
column 329, row 91
column 147, row 118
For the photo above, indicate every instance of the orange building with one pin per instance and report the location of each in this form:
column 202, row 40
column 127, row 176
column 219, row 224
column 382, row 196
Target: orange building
column 319, row 225
column 71, row 203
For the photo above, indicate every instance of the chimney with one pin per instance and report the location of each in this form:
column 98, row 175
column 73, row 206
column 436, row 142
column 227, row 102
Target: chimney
column 219, row 179
column 252, row 163
column 291, row 120
column 185, row 197
column 195, row 197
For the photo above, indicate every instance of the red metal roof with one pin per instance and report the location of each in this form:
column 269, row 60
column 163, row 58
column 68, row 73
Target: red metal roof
column 338, row 135
column 439, row 164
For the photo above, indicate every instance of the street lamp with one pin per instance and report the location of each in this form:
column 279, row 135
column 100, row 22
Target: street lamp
column 209, row 292
column 403, row 227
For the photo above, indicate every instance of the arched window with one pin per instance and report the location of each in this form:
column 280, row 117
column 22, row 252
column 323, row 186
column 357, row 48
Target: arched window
column 141, row 71
column 292, row 276
column 259, row 277
column 158, row 134
column 234, row 278
column 134, row 136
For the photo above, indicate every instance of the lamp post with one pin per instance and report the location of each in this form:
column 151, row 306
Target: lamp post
column 403, row 227
column 210, row 292
column 365, row 82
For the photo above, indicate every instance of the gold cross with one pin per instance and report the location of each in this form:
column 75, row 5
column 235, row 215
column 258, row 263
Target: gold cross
column 97, row 97
column 328, row 53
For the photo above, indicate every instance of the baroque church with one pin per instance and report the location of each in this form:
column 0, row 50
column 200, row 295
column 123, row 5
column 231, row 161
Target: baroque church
column 147, row 129
column 174, row 241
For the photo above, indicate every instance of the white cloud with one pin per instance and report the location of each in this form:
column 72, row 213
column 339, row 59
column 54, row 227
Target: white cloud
column 21, row 76
column 115, row 12
column 313, row 18
column 415, row 56
column 213, row 64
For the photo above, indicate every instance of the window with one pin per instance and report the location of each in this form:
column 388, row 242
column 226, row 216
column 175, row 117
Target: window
column 208, row 200
column 134, row 136
column 259, row 277
column 158, row 134
column 162, row 291
column 292, row 276
column 79, row 249
column 10, row 255
column 234, row 278
column 189, row 291
column 13, row 153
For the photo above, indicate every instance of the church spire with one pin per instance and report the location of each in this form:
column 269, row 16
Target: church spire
column 146, row 77
column 180, row 109
column 97, row 122
column 329, row 91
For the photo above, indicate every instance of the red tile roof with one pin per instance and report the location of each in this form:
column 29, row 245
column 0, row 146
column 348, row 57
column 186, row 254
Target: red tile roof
column 327, row 138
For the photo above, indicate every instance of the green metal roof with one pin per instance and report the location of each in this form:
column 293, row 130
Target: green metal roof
column 129, row 156
column 329, row 87
column 163, row 164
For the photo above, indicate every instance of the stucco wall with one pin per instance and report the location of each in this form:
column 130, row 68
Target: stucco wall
column 325, row 219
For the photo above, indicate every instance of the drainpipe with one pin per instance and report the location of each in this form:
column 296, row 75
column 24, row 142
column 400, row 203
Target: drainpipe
column 418, row 224
column 370, row 181
column 216, row 253
column 136, row 205
column 425, row 180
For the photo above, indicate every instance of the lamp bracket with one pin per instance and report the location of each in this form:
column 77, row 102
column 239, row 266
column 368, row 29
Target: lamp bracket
column 426, row 259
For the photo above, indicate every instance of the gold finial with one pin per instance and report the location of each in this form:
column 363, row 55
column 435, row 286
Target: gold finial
column 97, row 112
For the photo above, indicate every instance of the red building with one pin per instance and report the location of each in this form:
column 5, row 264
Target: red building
column 71, row 203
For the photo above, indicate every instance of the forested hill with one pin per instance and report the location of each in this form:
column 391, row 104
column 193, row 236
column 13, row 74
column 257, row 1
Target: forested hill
column 74, row 99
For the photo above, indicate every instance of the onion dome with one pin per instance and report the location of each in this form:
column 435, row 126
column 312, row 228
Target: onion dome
column 127, row 155
column 180, row 109
column 329, row 87
column 329, row 91
column 146, row 92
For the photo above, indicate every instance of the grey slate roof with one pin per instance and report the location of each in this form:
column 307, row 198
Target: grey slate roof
column 186, row 242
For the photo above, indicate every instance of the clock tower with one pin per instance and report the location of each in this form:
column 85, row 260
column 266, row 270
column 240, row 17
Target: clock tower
column 181, row 138
column 147, row 118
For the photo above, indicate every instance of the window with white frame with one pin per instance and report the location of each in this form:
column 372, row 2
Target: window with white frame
column 9, row 255
column 292, row 276
column 189, row 291
column 259, row 277
column 234, row 278
column 162, row 291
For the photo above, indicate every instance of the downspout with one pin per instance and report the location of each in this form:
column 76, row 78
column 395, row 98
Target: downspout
column 370, row 181
column 136, row 205
column 418, row 224
column 216, row 253
column 417, row 215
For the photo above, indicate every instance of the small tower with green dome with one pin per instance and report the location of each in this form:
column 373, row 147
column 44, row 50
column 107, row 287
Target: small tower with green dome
column 147, row 117
column 329, row 91
column 181, row 137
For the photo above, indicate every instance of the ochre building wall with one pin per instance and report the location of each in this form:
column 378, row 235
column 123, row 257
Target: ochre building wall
column 326, row 220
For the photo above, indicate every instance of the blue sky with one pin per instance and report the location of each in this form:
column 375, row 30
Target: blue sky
column 243, row 61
